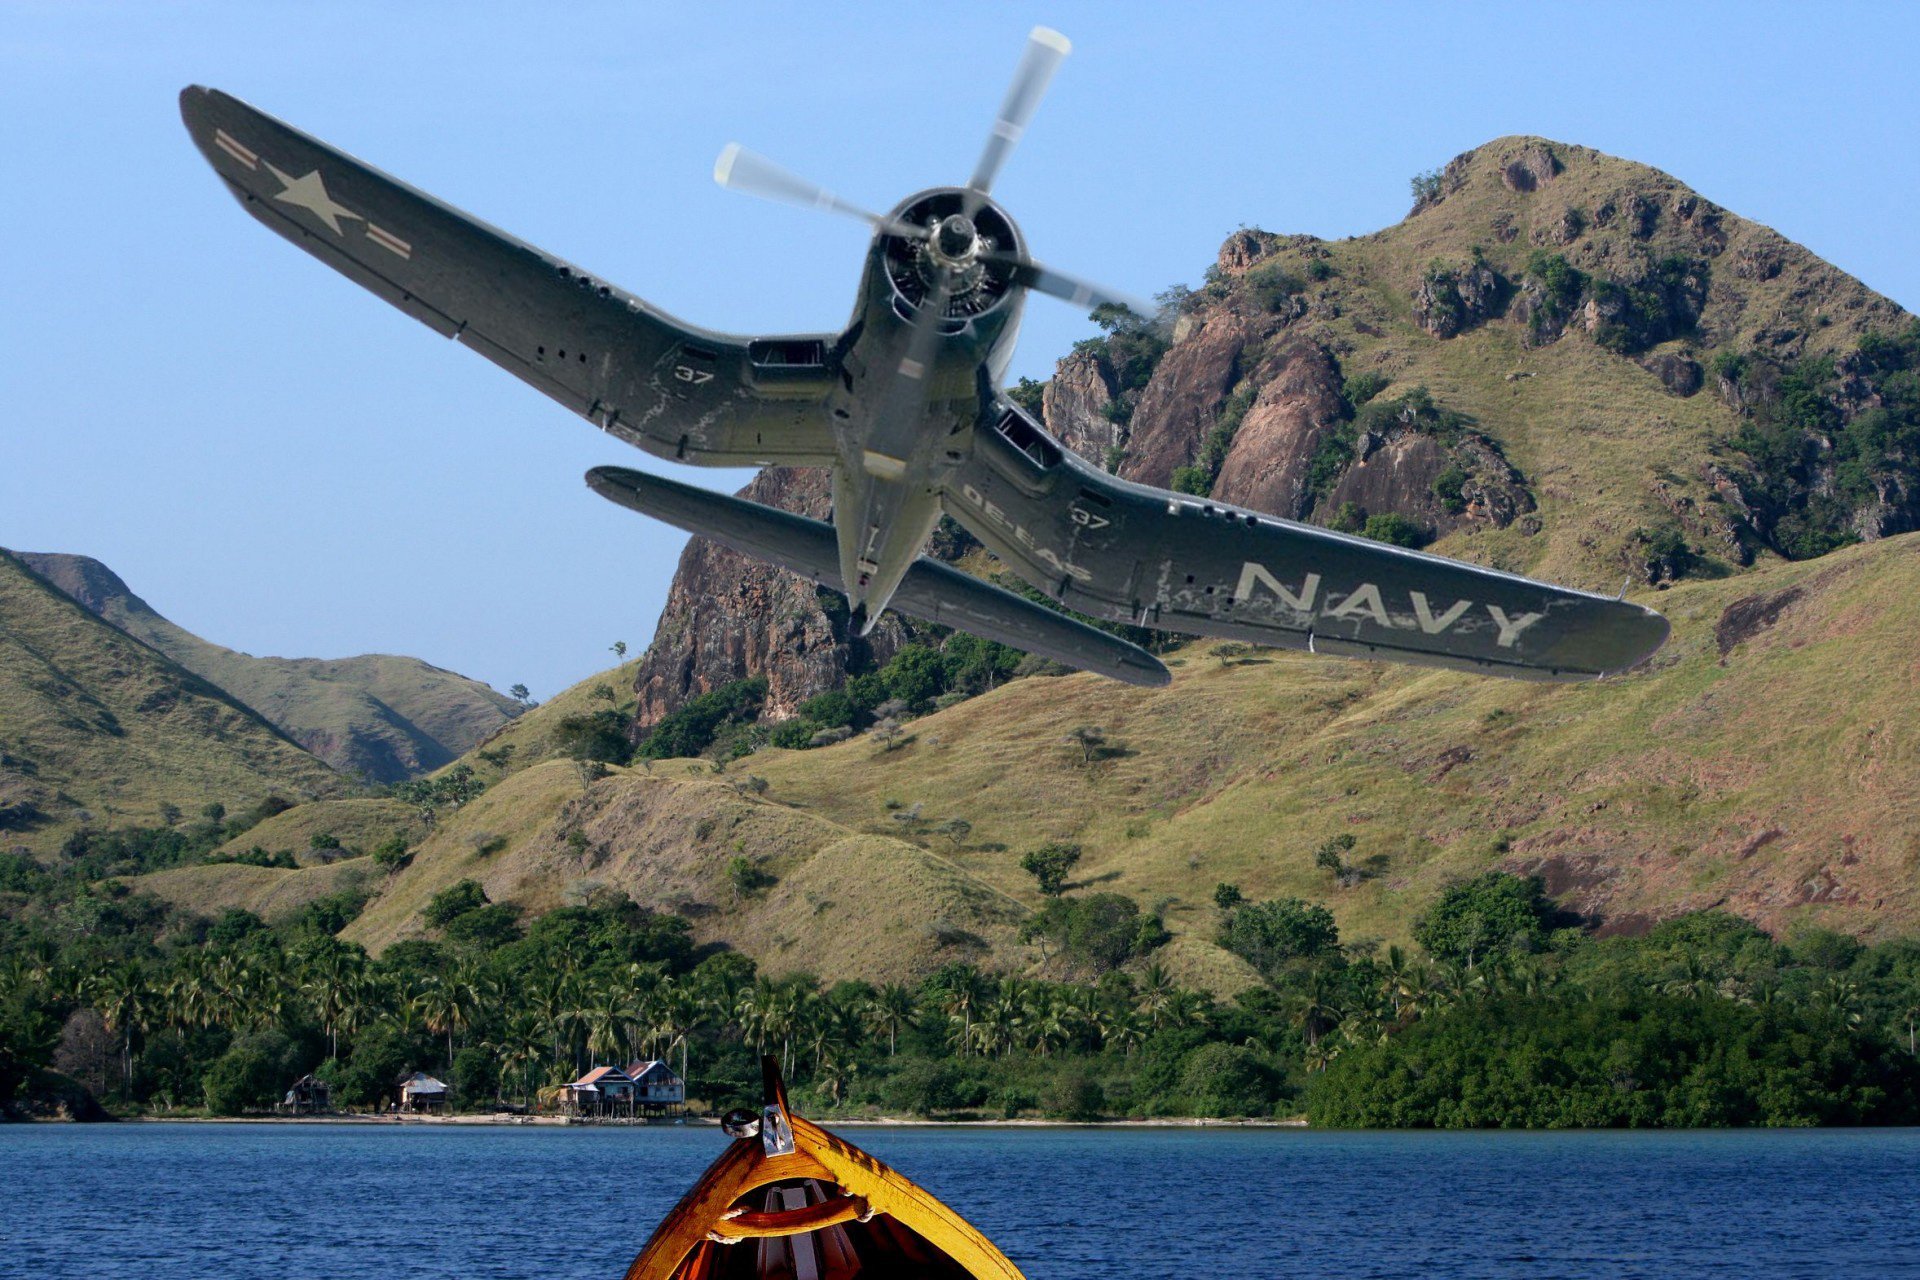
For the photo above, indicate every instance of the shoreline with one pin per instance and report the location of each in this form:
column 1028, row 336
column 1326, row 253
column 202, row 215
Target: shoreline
column 502, row 1121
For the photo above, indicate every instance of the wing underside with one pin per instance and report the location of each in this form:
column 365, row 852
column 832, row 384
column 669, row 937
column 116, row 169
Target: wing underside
column 667, row 387
column 931, row 591
column 1126, row 552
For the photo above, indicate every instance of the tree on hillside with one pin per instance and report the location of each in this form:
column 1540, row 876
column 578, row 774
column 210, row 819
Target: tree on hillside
column 520, row 694
column 1267, row 935
column 1090, row 738
column 1050, row 864
column 453, row 902
column 1494, row 912
column 619, row 648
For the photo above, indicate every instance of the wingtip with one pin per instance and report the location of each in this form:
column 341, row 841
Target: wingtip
column 1051, row 39
column 723, row 167
column 1155, row 677
column 191, row 99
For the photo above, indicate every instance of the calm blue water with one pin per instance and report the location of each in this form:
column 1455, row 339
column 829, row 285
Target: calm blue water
column 293, row 1202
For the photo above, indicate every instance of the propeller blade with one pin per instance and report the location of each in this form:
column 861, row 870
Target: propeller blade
column 903, row 404
column 1045, row 48
column 1087, row 296
column 739, row 169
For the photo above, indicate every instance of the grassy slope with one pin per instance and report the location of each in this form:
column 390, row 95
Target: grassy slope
column 845, row 904
column 379, row 715
column 357, row 823
column 1779, row 781
column 117, row 729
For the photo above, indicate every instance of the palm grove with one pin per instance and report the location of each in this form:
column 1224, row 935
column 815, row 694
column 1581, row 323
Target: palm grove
column 1506, row 1014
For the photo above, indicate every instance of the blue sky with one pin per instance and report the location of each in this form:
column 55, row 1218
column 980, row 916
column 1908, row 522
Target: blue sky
column 282, row 464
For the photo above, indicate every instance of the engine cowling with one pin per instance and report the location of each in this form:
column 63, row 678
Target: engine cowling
column 957, row 242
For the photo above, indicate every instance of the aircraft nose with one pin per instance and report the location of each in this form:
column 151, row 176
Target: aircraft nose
column 954, row 238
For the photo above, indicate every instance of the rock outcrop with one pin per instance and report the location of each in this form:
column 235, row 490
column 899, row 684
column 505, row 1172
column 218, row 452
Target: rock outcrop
column 729, row 617
column 1075, row 407
column 1298, row 403
column 1183, row 401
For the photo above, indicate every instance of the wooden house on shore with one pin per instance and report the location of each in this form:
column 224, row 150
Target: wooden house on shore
column 657, row 1088
column 646, row 1088
column 309, row 1096
column 421, row 1094
column 603, row 1091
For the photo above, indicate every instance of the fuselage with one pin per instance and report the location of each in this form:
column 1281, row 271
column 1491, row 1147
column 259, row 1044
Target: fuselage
column 917, row 363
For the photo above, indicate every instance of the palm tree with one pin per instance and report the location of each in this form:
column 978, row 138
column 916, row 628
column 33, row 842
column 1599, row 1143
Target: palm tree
column 608, row 1017
column 1399, row 980
column 1316, row 1007
column 121, row 996
column 891, row 1011
column 331, row 982
column 966, row 989
column 447, row 1005
column 832, row 1032
column 1187, row 1008
column 1156, row 991
column 1691, row 976
column 1124, row 1028
column 678, row 1012
column 521, row 1048
column 1051, row 1024
column 836, row 1073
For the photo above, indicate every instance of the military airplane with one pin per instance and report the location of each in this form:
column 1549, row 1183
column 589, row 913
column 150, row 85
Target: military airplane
column 905, row 407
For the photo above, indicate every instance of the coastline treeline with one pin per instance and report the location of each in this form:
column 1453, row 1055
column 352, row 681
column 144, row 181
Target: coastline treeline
column 1505, row 1015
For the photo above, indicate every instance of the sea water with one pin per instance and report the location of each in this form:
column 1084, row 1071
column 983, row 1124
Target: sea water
column 300, row 1201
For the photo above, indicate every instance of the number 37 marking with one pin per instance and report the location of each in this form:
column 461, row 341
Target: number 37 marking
column 687, row 373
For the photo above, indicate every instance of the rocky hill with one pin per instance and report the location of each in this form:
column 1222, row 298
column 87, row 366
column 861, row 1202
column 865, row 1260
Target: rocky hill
column 98, row 727
column 1560, row 363
column 376, row 716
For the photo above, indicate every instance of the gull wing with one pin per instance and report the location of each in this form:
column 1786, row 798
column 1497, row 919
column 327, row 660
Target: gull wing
column 1128, row 552
column 931, row 591
column 673, row 390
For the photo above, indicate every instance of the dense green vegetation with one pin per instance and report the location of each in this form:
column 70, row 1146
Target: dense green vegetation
column 1831, row 445
column 1513, row 1017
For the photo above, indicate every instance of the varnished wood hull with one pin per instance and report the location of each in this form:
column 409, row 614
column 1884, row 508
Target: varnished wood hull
column 824, row 1211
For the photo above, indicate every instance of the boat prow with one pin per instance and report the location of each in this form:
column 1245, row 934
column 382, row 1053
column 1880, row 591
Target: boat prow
column 790, row 1201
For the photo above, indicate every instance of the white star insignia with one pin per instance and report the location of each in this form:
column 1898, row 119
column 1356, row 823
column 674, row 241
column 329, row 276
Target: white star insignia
column 310, row 193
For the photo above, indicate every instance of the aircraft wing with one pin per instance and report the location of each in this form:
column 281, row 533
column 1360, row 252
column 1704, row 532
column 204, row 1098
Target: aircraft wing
column 671, row 389
column 931, row 591
column 1128, row 552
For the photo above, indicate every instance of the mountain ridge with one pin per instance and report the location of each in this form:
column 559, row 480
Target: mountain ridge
column 1548, row 343
column 381, row 717
column 98, row 727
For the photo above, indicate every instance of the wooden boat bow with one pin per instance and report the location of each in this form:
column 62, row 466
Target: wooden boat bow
column 791, row 1201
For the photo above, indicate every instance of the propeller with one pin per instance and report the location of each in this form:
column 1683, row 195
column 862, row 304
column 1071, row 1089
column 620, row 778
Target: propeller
column 1045, row 49
column 739, row 169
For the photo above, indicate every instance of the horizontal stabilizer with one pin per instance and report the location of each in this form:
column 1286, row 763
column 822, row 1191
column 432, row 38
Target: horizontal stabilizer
column 931, row 591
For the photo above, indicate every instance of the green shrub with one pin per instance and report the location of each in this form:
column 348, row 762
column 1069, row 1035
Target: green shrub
column 1191, row 480
column 454, row 901
column 693, row 728
column 1488, row 914
column 1364, row 386
column 1268, row 935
